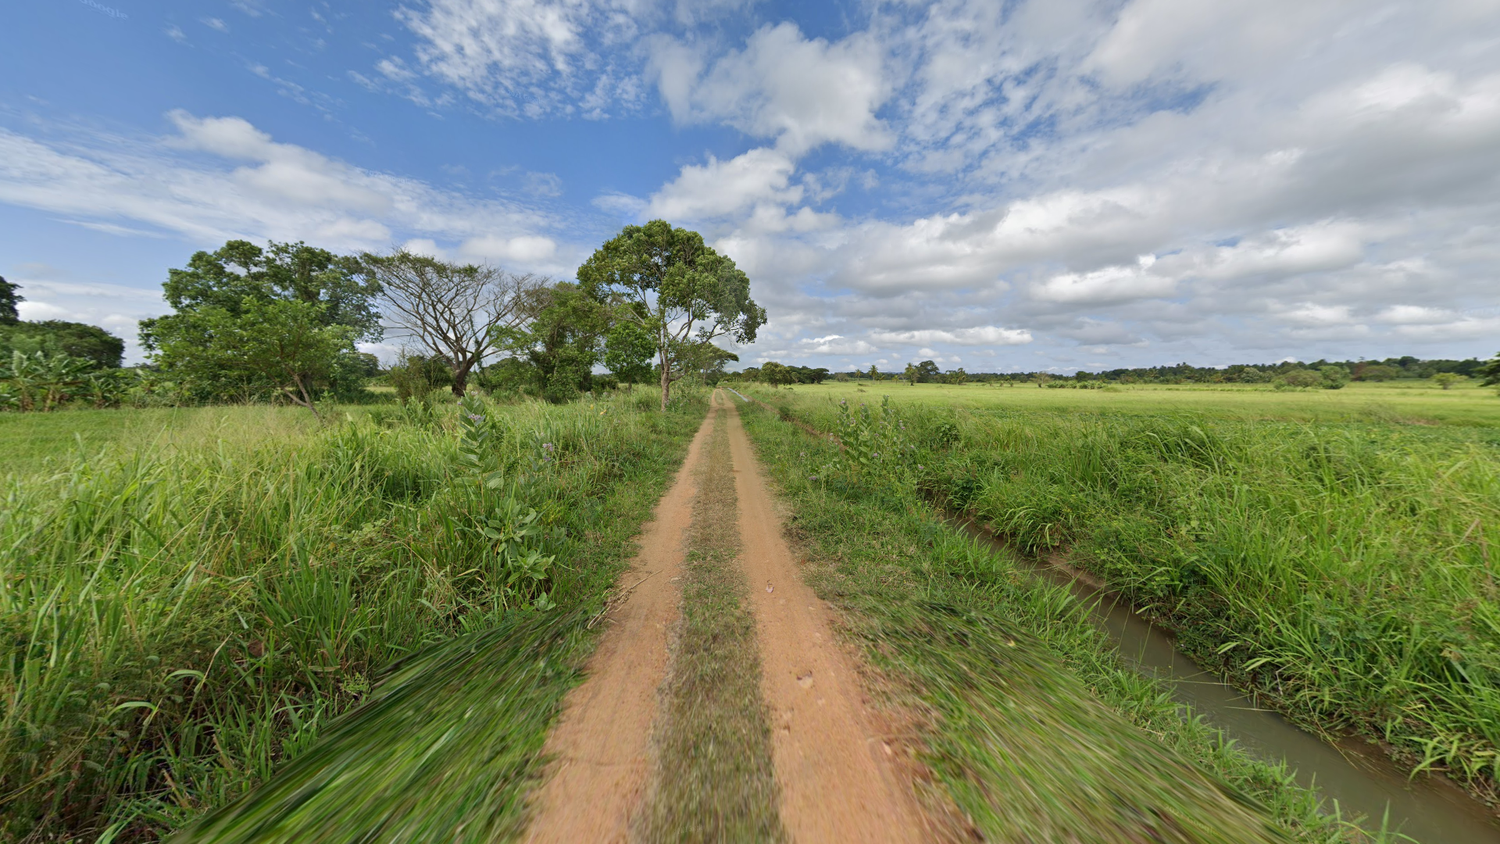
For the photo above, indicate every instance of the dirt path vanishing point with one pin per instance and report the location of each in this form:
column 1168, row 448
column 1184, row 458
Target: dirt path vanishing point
column 600, row 741
column 838, row 780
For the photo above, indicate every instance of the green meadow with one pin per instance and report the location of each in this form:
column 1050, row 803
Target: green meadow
column 1410, row 402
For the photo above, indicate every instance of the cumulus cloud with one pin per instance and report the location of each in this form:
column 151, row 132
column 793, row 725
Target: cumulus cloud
column 802, row 92
column 218, row 178
column 1143, row 180
column 719, row 188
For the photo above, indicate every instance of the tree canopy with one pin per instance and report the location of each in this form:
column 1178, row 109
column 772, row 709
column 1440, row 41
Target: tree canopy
column 250, row 321
column 1491, row 371
column 57, row 337
column 562, row 339
column 8, row 300
column 684, row 292
column 628, row 348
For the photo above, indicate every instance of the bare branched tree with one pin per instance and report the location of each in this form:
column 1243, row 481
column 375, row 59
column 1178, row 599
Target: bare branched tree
column 448, row 310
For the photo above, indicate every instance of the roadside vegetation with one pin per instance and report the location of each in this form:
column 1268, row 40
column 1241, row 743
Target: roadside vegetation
column 1342, row 571
column 181, row 620
column 1027, row 718
column 260, row 588
column 198, row 597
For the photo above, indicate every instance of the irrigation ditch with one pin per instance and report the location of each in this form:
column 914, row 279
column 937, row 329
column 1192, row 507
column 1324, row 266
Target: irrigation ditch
column 1356, row 775
column 1430, row 809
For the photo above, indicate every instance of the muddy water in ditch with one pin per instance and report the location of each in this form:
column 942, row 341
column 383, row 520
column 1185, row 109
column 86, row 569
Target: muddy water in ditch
column 1430, row 810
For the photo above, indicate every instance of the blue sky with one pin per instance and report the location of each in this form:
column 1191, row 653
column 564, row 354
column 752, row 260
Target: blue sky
column 1022, row 185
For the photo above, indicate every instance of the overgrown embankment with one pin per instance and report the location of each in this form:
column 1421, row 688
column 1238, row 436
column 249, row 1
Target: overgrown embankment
column 180, row 623
column 1030, row 747
column 1343, row 571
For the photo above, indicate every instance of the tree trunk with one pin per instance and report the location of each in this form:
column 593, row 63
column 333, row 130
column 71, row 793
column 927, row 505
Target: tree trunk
column 461, row 379
column 666, row 382
column 306, row 400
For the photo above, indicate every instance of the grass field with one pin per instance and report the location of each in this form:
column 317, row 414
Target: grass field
column 1415, row 402
column 193, row 600
column 38, row 442
column 1336, row 560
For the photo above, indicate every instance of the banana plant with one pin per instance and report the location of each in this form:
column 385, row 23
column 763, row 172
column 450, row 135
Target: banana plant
column 24, row 377
column 105, row 387
column 60, row 375
column 41, row 378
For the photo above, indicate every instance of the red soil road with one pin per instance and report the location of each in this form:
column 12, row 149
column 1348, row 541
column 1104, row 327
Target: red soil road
column 838, row 780
column 600, row 744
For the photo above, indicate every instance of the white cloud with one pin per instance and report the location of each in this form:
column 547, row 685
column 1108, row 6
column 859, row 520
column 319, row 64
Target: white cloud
column 527, row 57
column 1110, row 284
column 1302, row 177
column 527, row 250
column 1416, row 315
column 984, row 335
column 221, row 178
column 115, row 308
column 1209, row 40
column 719, row 188
column 834, row 344
column 802, row 92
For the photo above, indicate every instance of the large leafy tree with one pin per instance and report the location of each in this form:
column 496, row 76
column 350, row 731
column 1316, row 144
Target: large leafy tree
column 250, row 321
column 561, row 341
column 286, row 344
column 628, row 349
column 708, row 361
column 57, row 337
column 8, row 300
column 682, row 291
column 1491, row 371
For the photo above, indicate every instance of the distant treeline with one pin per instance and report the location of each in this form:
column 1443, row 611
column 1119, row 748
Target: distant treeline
column 1291, row 373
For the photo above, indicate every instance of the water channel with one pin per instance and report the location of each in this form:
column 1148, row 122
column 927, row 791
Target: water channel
column 1428, row 810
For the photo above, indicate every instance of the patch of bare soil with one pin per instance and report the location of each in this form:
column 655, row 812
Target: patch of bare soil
column 838, row 777
column 600, row 743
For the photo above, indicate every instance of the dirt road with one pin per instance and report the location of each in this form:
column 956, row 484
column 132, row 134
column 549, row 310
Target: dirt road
column 835, row 775
column 600, row 742
column 838, row 782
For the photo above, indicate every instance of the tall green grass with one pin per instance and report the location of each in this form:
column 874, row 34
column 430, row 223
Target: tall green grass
column 1026, row 718
column 179, row 621
column 1345, row 571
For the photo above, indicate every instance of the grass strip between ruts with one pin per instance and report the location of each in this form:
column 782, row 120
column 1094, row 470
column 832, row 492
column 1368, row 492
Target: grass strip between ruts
column 714, row 778
column 1026, row 747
